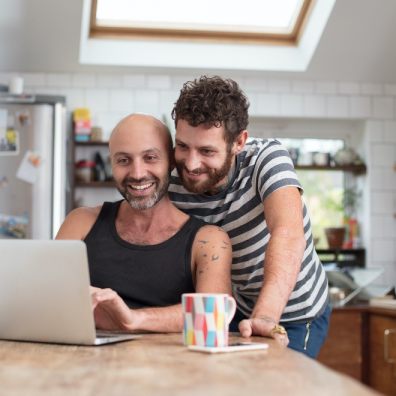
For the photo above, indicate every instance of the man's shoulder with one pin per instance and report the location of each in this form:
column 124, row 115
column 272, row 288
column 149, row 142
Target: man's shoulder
column 78, row 223
column 84, row 217
column 86, row 212
column 257, row 150
column 257, row 145
column 209, row 231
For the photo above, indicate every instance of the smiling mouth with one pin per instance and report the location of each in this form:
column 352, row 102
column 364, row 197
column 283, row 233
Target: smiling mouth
column 194, row 173
column 140, row 187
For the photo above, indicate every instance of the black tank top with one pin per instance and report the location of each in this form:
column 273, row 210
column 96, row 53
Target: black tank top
column 143, row 275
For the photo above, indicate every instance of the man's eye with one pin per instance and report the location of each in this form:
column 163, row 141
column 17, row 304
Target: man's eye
column 122, row 161
column 207, row 152
column 151, row 158
column 181, row 146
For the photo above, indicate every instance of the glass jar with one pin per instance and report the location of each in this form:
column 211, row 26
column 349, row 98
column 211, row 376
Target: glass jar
column 85, row 171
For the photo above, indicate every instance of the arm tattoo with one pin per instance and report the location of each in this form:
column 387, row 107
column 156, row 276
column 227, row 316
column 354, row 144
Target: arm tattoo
column 202, row 241
column 214, row 257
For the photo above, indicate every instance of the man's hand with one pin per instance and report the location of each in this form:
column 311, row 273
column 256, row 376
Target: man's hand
column 262, row 327
column 111, row 312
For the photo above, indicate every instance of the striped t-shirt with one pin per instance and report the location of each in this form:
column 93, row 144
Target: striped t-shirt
column 261, row 168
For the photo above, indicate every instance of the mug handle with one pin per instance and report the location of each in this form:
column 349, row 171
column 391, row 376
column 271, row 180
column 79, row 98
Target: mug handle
column 231, row 309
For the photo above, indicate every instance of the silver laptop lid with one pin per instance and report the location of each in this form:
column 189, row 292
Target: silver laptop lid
column 44, row 292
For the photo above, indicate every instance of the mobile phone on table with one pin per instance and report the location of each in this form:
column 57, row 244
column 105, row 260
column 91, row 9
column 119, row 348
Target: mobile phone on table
column 233, row 347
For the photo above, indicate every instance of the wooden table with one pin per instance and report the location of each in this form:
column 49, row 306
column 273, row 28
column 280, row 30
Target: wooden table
column 158, row 364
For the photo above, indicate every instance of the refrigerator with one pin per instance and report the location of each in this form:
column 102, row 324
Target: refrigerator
column 34, row 156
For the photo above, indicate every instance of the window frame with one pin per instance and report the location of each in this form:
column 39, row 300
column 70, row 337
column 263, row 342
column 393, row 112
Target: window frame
column 271, row 38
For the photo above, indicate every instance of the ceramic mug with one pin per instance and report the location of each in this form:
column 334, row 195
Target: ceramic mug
column 206, row 318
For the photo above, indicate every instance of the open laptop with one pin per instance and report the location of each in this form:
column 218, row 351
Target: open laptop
column 44, row 294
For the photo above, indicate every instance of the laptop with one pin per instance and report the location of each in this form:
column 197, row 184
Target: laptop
column 44, row 294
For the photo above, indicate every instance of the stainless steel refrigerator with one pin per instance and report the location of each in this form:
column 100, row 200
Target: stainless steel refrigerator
column 33, row 163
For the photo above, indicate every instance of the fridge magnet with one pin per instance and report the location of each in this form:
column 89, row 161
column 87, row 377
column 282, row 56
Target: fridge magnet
column 3, row 182
column 23, row 118
column 13, row 226
column 29, row 167
column 9, row 141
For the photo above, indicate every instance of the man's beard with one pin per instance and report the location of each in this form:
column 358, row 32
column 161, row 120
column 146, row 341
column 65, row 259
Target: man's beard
column 142, row 203
column 214, row 176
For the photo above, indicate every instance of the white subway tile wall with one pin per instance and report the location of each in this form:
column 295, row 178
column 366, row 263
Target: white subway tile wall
column 390, row 132
column 58, row 80
column 279, row 86
column 305, row 87
column 360, row 107
column 111, row 96
column 371, row 89
column 255, row 84
column 121, row 100
column 325, row 87
column 291, row 105
column 268, row 105
column 383, row 107
column 348, row 88
column 108, row 81
column 337, row 107
column 97, row 99
column 314, row 106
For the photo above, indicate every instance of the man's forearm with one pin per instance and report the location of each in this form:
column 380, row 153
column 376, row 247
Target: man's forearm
column 161, row 319
column 282, row 265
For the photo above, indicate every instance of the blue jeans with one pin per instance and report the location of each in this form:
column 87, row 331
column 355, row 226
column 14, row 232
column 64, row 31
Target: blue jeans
column 306, row 337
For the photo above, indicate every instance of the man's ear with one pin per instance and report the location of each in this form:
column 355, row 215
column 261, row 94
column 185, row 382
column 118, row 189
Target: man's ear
column 240, row 141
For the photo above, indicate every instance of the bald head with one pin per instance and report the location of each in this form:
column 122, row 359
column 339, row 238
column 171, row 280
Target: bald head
column 141, row 160
column 140, row 126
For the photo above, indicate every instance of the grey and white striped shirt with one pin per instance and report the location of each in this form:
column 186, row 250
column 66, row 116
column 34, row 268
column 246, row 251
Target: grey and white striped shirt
column 261, row 168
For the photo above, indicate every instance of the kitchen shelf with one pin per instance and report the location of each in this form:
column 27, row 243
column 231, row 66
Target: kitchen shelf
column 95, row 184
column 355, row 169
column 343, row 257
column 91, row 143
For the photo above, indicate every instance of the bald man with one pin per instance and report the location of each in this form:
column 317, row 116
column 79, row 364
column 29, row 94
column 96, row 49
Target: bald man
column 144, row 252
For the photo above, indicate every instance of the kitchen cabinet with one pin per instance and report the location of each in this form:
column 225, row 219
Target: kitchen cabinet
column 343, row 257
column 359, row 169
column 382, row 346
column 362, row 344
column 344, row 348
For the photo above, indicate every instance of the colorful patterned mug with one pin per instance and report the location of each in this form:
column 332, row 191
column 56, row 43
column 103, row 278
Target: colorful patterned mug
column 206, row 318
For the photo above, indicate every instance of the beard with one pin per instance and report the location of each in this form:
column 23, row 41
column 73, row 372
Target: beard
column 142, row 203
column 214, row 176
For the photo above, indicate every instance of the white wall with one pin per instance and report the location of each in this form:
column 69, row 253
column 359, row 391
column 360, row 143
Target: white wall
column 366, row 111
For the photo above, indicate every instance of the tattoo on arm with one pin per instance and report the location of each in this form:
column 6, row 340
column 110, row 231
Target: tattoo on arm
column 215, row 257
column 225, row 245
column 203, row 242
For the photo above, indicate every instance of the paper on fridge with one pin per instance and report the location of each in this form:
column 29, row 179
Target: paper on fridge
column 29, row 167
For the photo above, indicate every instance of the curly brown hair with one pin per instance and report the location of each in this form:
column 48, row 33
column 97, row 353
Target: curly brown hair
column 213, row 101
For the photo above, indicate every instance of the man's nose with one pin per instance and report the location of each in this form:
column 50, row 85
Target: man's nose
column 192, row 161
column 137, row 170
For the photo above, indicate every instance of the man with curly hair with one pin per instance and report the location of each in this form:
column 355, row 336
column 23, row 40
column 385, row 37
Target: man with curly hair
column 248, row 187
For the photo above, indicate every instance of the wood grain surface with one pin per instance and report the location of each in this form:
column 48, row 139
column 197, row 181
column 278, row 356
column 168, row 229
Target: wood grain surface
column 158, row 364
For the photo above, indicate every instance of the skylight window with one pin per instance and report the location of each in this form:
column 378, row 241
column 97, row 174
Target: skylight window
column 261, row 20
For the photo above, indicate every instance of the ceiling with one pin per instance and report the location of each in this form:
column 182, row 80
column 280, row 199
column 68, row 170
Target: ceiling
column 357, row 43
